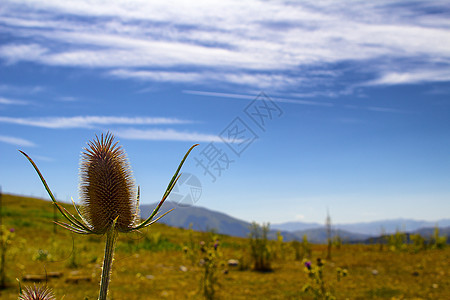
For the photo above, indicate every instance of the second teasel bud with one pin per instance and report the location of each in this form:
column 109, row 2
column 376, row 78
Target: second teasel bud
column 36, row 293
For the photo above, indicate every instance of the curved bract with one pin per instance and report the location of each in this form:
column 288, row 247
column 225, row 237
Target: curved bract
column 107, row 191
column 110, row 202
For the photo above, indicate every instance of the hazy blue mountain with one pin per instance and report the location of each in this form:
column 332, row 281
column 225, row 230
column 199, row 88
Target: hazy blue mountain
column 319, row 235
column 369, row 228
column 428, row 232
column 295, row 226
column 391, row 226
column 203, row 219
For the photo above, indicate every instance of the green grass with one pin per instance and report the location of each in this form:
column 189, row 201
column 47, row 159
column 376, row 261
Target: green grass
column 383, row 292
column 147, row 265
column 149, row 244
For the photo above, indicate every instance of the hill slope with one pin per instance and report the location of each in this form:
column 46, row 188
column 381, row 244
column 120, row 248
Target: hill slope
column 319, row 235
column 201, row 219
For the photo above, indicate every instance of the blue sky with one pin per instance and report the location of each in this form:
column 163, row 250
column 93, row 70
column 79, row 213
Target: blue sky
column 298, row 106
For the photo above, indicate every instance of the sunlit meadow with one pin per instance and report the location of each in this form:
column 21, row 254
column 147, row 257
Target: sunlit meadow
column 169, row 263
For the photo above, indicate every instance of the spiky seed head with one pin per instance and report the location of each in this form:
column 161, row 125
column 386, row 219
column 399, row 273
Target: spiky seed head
column 36, row 293
column 107, row 188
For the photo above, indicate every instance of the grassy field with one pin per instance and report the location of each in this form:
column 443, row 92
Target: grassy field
column 163, row 263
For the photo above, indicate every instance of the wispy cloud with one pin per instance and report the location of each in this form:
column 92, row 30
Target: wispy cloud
column 253, row 97
column 261, row 80
column 293, row 101
column 43, row 158
column 256, row 43
column 299, row 217
column 21, row 89
column 90, row 121
column 411, row 77
column 66, row 99
column 127, row 133
column 16, row 141
column 159, row 75
column 22, row 52
column 8, row 101
column 385, row 109
column 166, row 135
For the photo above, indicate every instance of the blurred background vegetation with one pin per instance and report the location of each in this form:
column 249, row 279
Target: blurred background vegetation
column 175, row 263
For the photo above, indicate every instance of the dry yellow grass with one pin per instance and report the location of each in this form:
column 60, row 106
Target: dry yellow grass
column 155, row 274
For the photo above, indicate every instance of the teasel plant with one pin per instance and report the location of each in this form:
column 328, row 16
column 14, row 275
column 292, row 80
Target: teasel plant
column 35, row 293
column 109, row 199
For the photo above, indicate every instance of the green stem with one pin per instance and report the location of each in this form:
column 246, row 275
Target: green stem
column 111, row 236
column 2, row 264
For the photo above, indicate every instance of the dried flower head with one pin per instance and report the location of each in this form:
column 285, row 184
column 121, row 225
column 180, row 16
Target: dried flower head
column 36, row 293
column 107, row 188
column 110, row 203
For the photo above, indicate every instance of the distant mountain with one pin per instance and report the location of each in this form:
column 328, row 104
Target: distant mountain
column 426, row 233
column 203, row 219
column 319, row 235
column 369, row 228
column 295, row 226
column 429, row 232
column 391, row 226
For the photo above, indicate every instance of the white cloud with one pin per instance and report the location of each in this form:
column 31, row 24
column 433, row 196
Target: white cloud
column 16, row 141
column 8, row 101
column 90, row 121
column 411, row 77
column 43, row 158
column 159, row 75
column 67, row 99
column 21, row 89
column 129, row 133
column 22, row 52
column 299, row 217
column 385, row 109
column 240, row 78
column 253, row 97
column 294, row 101
column 166, row 135
column 256, row 43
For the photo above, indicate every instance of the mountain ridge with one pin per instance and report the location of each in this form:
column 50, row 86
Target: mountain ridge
column 203, row 219
column 387, row 226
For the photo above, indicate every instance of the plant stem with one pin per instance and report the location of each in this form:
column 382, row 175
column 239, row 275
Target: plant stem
column 111, row 236
column 2, row 247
